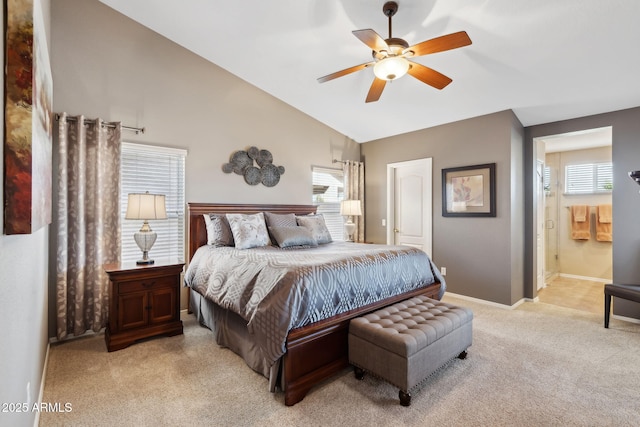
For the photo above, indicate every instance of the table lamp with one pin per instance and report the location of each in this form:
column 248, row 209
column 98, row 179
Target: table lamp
column 350, row 208
column 146, row 207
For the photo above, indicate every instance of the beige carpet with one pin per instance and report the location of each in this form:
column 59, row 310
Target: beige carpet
column 538, row 365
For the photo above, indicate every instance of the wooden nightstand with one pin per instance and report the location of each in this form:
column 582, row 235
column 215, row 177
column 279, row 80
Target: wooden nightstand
column 144, row 301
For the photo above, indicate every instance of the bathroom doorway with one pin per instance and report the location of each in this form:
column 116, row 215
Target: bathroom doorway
column 574, row 172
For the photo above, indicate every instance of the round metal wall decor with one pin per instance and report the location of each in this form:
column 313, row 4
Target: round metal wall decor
column 252, row 175
column 264, row 158
column 270, row 175
column 242, row 163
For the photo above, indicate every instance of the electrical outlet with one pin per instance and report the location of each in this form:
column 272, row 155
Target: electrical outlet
column 384, row 222
column 443, row 270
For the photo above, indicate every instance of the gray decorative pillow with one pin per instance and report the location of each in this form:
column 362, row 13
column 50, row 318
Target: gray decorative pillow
column 249, row 231
column 292, row 236
column 280, row 220
column 218, row 230
column 317, row 226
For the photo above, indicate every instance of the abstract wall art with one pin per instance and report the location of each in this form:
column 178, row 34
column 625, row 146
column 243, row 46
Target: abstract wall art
column 28, row 120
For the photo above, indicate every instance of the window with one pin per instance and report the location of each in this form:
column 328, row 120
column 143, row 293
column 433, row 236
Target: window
column 158, row 170
column 589, row 178
column 546, row 179
column 328, row 192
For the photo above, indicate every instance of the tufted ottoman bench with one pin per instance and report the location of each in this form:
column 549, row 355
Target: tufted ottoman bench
column 408, row 341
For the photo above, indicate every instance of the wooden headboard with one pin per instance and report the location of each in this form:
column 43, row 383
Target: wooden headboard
column 197, row 230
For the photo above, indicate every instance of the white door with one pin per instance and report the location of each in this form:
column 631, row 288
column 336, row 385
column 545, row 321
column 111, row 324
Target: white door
column 409, row 204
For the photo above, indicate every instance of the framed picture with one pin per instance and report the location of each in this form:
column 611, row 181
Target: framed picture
column 28, row 127
column 469, row 191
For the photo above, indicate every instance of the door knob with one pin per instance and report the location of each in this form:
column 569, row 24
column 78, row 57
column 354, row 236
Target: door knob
column 395, row 230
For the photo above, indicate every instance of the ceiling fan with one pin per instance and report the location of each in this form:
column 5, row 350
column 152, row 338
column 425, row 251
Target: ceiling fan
column 391, row 57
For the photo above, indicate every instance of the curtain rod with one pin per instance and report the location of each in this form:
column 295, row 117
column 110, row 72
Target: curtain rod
column 107, row 124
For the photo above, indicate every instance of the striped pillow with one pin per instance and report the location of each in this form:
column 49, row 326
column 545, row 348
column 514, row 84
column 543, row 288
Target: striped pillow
column 280, row 220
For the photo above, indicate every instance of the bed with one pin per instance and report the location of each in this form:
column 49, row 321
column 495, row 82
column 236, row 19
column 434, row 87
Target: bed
column 295, row 348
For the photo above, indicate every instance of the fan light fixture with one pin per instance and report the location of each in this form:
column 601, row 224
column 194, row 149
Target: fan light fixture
column 391, row 68
column 391, row 57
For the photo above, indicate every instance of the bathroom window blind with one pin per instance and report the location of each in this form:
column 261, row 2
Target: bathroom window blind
column 546, row 179
column 589, row 178
column 158, row 170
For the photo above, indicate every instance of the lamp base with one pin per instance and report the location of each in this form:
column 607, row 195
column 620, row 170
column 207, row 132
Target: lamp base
column 145, row 238
column 349, row 229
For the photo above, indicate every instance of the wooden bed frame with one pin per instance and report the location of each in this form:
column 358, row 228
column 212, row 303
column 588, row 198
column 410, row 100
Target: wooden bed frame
column 314, row 352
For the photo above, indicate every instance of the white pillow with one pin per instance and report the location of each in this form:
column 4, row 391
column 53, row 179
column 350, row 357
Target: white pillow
column 249, row 231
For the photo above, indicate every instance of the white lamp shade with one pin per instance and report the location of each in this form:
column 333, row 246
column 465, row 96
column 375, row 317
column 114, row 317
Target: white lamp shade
column 391, row 68
column 350, row 208
column 146, row 206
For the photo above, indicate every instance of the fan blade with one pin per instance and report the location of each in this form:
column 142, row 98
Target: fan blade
column 428, row 75
column 344, row 72
column 376, row 90
column 371, row 39
column 440, row 44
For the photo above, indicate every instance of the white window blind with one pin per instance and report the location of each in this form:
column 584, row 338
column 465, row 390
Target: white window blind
column 158, row 170
column 328, row 192
column 604, row 176
column 589, row 178
column 546, row 181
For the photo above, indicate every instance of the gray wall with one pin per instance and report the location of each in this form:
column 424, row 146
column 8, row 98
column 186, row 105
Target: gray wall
column 106, row 65
column 483, row 256
column 23, row 305
column 626, row 200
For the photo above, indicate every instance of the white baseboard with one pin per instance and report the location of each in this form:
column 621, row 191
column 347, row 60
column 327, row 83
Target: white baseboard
column 36, row 420
column 592, row 279
column 523, row 300
column 491, row 303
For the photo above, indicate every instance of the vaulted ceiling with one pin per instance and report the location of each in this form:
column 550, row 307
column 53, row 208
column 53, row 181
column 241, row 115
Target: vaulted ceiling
column 547, row 60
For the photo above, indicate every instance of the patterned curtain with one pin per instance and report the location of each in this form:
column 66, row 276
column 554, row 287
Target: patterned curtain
column 354, row 190
column 88, row 221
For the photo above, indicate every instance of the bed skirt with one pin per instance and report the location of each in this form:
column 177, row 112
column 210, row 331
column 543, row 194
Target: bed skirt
column 230, row 331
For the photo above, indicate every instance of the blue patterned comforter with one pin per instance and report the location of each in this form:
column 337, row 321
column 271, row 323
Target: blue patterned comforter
column 276, row 290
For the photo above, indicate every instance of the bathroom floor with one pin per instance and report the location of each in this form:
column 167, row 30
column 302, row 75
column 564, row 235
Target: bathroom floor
column 585, row 295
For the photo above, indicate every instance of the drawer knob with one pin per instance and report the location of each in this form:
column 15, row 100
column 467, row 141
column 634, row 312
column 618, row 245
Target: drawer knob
column 148, row 285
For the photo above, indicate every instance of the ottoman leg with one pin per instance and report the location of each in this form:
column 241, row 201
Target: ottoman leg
column 405, row 398
column 463, row 355
column 358, row 372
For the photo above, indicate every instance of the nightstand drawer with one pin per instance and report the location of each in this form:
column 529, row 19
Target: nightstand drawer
column 147, row 284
